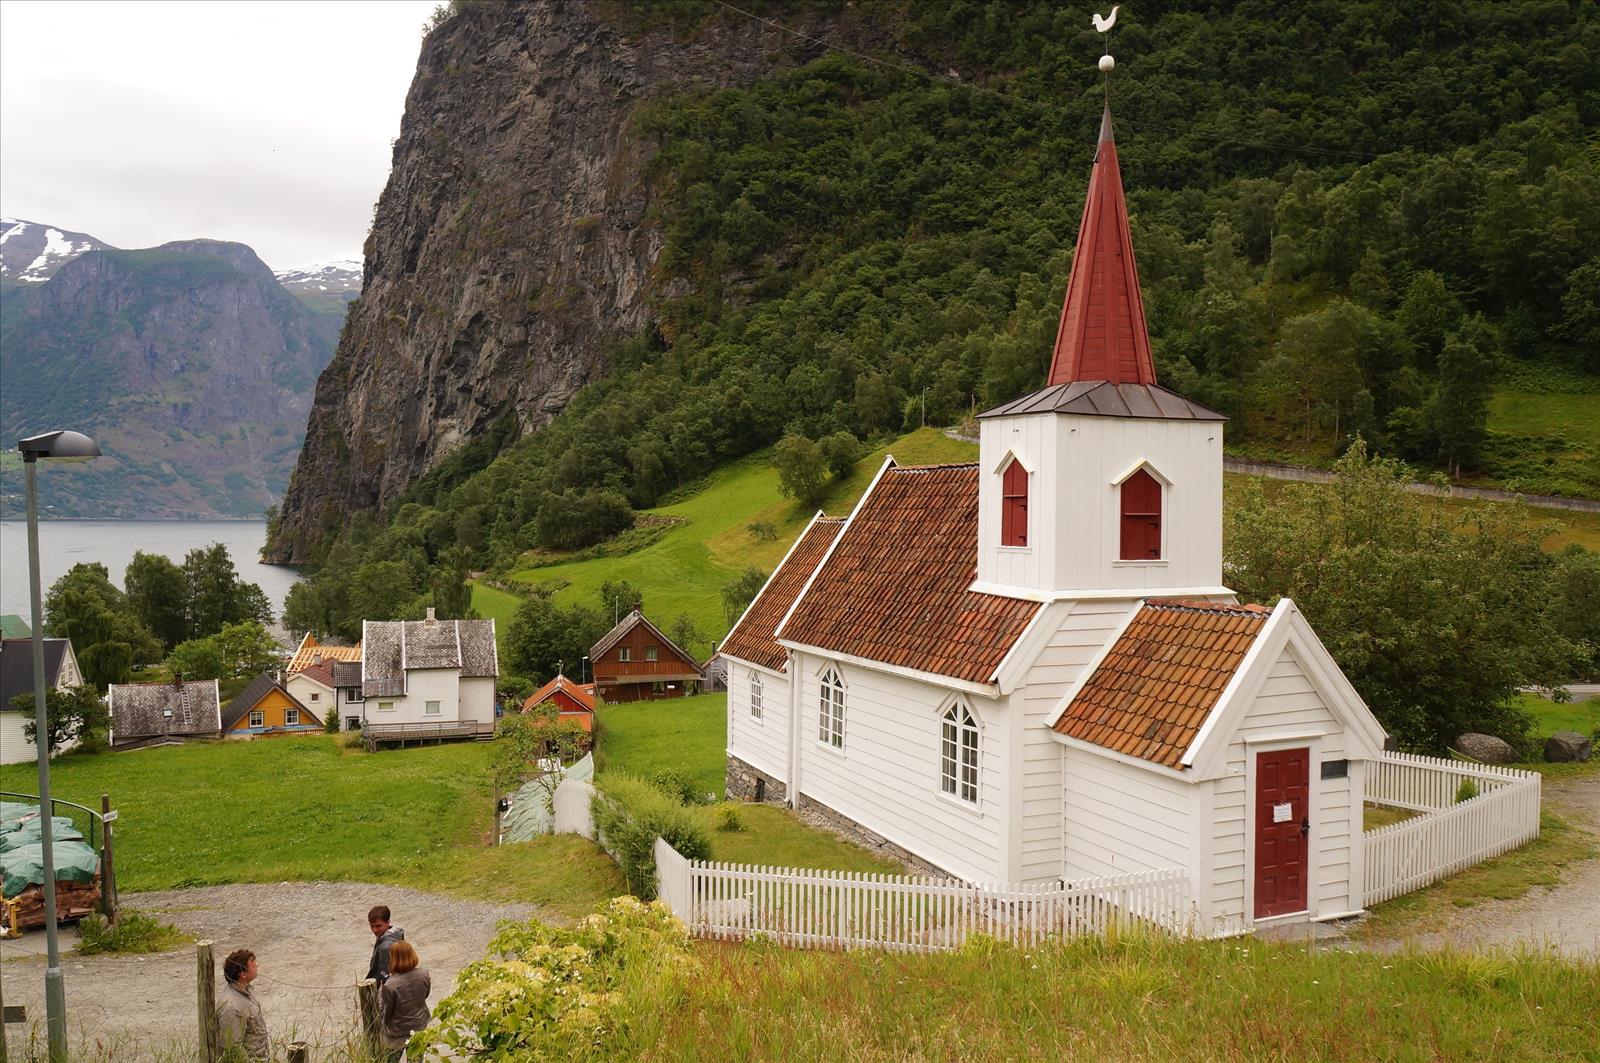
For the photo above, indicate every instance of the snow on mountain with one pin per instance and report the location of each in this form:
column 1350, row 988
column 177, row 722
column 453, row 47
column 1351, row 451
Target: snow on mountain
column 340, row 275
column 32, row 252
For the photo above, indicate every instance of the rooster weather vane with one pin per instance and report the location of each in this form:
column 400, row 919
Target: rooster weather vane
column 1103, row 24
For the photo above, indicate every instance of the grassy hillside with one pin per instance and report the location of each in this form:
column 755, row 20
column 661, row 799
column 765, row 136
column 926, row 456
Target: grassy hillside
column 684, row 570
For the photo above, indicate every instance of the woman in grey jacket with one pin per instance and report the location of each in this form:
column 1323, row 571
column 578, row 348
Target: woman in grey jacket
column 405, row 998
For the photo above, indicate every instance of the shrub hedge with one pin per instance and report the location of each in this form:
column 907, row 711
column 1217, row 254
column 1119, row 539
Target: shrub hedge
column 630, row 813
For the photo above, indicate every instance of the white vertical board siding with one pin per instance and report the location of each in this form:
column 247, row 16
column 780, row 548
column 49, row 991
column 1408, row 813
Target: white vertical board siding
column 1081, row 629
column 1094, row 451
column 477, row 699
column 1287, row 705
column 1033, row 439
column 14, row 748
column 1119, row 817
column 886, row 777
column 763, row 744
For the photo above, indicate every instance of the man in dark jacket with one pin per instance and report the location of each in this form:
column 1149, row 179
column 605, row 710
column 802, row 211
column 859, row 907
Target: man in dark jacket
column 387, row 934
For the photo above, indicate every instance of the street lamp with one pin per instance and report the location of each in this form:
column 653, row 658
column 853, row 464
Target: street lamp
column 583, row 673
column 51, row 446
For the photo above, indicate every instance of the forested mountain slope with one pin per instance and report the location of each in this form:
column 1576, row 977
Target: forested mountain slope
column 1349, row 219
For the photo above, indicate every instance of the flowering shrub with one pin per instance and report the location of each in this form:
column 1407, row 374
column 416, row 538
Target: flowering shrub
column 544, row 992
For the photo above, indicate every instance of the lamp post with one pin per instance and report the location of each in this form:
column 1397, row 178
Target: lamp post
column 51, row 446
column 583, row 672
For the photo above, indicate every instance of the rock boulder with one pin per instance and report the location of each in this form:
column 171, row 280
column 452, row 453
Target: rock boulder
column 1567, row 746
column 1486, row 748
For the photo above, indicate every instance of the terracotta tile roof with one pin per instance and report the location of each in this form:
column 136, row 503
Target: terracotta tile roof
column 1152, row 693
column 583, row 693
column 752, row 637
column 895, row 587
column 310, row 650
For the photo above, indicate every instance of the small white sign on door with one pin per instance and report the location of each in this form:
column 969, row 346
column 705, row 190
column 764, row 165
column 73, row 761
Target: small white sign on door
column 1282, row 813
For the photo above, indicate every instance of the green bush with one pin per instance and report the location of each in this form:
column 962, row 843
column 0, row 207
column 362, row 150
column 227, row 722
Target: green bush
column 1466, row 791
column 677, row 782
column 630, row 813
column 545, row 993
column 133, row 932
column 729, row 819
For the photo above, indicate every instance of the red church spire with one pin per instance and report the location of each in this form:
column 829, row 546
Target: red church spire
column 1103, row 334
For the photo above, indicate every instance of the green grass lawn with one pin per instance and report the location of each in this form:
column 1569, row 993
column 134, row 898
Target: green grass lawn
column 683, row 734
column 306, row 808
column 1552, row 716
column 683, row 571
column 690, row 735
column 1130, row 998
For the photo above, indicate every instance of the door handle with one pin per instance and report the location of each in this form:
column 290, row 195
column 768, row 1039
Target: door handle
column 1305, row 827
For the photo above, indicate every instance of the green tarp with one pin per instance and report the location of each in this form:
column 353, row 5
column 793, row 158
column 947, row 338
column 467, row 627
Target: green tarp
column 29, row 831
column 13, row 812
column 24, row 866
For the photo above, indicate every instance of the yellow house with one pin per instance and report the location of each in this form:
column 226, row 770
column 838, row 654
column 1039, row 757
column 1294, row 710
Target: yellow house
column 264, row 709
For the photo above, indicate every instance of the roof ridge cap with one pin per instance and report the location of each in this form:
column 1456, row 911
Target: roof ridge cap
column 1191, row 605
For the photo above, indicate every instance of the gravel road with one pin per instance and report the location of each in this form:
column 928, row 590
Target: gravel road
column 311, row 941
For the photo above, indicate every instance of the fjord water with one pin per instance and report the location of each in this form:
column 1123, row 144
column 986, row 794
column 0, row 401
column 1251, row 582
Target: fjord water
column 64, row 543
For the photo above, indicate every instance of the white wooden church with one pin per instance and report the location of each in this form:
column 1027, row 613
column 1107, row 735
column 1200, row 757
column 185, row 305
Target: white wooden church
column 1029, row 668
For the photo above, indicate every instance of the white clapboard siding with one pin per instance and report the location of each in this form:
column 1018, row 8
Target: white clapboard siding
column 806, row 908
column 1448, row 836
column 761, row 743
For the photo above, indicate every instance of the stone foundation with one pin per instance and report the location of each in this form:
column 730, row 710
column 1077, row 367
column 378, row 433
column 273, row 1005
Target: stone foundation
column 742, row 784
column 816, row 814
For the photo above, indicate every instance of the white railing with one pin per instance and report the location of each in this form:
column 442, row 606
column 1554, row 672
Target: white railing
column 1448, row 835
column 808, row 908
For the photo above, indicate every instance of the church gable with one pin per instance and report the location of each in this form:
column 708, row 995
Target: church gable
column 894, row 588
column 753, row 638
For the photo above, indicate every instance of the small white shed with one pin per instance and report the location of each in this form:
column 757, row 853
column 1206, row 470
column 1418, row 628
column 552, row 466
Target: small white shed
column 1224, row 739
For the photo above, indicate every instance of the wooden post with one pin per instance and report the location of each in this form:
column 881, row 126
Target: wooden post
column 297, row 1052
column 371, row 1022
column 206, row 979
column 108, row 871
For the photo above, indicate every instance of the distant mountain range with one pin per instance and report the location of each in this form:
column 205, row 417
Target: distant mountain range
column 191, row 363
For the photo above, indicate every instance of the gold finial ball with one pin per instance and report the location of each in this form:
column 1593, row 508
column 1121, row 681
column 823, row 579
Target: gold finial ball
column 1106, row 63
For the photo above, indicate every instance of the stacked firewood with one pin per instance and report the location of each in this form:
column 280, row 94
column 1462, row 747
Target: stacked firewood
column 74, row 900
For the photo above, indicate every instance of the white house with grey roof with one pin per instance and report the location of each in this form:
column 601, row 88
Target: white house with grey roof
column 428, row 671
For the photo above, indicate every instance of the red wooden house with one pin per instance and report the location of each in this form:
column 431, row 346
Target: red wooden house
column 573, row 701
column 636, row 662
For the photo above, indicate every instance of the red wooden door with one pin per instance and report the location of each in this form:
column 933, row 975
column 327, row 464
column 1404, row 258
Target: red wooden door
column 1141, row 518
column 1283, row 810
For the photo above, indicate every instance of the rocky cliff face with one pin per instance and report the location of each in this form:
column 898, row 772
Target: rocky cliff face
column 188, row 362
column 512, row 245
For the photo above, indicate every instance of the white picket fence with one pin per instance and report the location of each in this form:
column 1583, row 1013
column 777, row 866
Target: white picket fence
column 809, row 908
column 1447, row 835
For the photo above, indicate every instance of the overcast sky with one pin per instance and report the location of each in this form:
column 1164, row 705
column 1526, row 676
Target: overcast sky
column 266, row 123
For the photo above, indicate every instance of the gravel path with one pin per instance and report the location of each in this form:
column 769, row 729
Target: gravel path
column 310, row 938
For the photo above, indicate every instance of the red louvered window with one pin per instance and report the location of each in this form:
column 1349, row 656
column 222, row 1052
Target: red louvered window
column 1141, row 517
column 1014, row 506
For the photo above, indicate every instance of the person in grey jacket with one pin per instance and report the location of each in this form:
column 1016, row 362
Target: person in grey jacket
column 405, row 998
column 387, row 934
column 239, row 1018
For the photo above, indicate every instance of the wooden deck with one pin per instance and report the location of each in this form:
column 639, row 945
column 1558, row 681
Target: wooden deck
column 375, row 735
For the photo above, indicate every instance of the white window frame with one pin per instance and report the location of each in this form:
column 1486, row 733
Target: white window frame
column 625, row 655
column 385, row 706
column 960, row 753
column 315, row 696
column 651, row 654
column 432, row 708
column 830, row 705
column 291, row 717
column 757, row 695
column 257, row 718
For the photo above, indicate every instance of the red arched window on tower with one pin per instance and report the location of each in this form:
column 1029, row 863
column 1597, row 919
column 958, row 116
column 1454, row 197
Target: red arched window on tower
column 1141, row 517
column 1014, row 505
